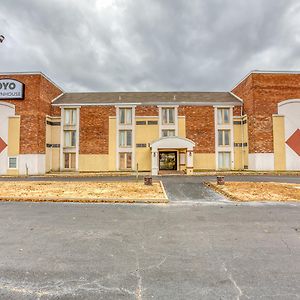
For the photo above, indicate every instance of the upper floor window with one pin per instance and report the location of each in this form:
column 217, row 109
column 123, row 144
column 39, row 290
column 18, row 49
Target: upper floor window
column 168, row 116
column 168, row 132
column 223, row 137
column 125, row 138
column 70, row 138
column 223, row 116
column 70, row 116
column 125, row 116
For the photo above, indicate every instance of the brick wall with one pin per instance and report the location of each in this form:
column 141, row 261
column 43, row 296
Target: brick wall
column 39, row 93
column 94, row 129
column 261, row 93
column 146, row 111
column 200, row 127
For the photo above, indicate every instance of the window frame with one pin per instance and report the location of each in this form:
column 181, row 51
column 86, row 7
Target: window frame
column 223, row 137
column 71, row 154
column 126, row 113
column 125, row 145
column 168, row 130
column 70, row 139
column 223, row 155
column 126, row 154
column 9, row 165
column 221, row 121
column 72, row 116
column 168, row 109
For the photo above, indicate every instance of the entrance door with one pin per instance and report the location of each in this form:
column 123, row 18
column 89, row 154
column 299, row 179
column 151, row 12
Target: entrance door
column 168, row 160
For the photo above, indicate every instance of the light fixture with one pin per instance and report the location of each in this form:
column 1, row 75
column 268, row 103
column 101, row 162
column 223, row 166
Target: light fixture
column 2, row 38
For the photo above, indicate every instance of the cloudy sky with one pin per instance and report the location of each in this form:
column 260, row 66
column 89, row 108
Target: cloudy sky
column 158, row 45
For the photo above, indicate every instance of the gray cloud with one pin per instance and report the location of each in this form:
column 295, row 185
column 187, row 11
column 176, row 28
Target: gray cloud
column 114, row 45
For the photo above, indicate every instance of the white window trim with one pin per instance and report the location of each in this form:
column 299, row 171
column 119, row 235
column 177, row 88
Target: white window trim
column 229, row 126
column 17, row 162
column 125, row 127
column 168, row 126
column 62, row 142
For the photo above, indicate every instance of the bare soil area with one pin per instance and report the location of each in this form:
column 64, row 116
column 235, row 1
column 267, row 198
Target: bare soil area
column 81, row 191
column 259, row 191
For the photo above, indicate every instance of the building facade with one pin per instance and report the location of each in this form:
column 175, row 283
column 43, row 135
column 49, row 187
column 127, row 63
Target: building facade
column 255, row 126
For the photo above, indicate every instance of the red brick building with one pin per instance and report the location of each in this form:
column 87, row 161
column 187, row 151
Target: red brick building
column 44, row 129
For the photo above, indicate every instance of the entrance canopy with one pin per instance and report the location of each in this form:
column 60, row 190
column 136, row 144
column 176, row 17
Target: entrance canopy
column 169, row 159
column 172, row 142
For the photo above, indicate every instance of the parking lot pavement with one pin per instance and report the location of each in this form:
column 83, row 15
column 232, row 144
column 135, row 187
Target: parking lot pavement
column 98, row 251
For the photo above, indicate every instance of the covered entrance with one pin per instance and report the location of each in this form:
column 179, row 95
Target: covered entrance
column 172, row 154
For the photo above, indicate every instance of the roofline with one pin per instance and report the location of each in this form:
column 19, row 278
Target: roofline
column 264, row 72
column 237, row 97
column 33, row 73
column 149, row 103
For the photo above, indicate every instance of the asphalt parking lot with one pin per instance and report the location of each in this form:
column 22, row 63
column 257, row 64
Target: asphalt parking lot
column 200, row 246
column 98, row 251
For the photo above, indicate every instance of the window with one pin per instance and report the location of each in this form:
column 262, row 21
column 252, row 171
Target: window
column 125, row 161
column 224, row 137
column 12, row 163
column 223, row 116
column 125, row 138
column 224, row 160
column 70, row 138
column 70, row 116
column 125, row 115
column 70, row 160
column 168, row 132
column 168, row 116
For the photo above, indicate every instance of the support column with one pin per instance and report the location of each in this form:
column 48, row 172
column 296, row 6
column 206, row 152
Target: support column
column 190, row 162
column 154, row 159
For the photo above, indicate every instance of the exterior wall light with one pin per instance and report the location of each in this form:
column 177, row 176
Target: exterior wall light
column 2, row 38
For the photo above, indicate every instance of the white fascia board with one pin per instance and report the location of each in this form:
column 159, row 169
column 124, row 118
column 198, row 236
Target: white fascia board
column 237, row 97
column 151, row 103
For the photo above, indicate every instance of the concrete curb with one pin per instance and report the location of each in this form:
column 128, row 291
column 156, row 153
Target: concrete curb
column 164, row 190
column 83, row 200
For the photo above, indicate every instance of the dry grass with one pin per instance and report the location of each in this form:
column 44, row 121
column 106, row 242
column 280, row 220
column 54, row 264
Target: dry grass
column 259, row 191
column 80, row 191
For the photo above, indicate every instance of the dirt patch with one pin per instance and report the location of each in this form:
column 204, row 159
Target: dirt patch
column 82, row 191
column 258, row 191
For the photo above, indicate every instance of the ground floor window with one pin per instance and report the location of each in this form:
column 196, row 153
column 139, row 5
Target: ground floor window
column 168, row 132
column 224, row 160
column 12, row 163
column 70, row 160
column 125, row 161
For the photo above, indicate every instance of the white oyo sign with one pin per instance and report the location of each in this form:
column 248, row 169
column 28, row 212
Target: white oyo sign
column 11, row 89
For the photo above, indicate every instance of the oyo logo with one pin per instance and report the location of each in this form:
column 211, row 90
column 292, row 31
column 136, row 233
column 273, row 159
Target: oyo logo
column 7, row 85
